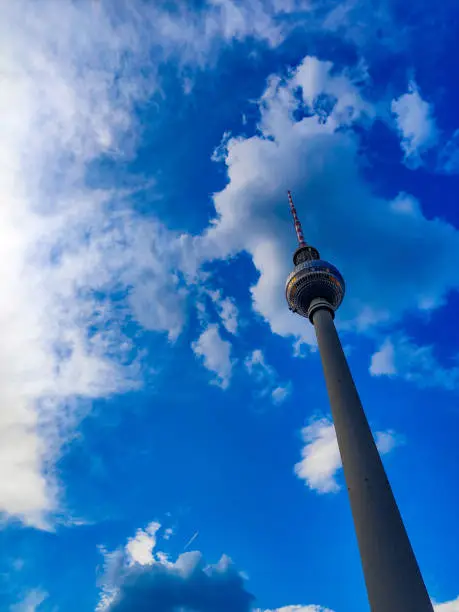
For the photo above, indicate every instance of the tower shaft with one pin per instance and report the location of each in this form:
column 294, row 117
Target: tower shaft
column 392, row 576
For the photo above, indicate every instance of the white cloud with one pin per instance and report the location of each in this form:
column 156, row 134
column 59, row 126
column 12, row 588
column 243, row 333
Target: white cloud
column 416, row 125
column 48, row 272
column 193, row 37
column 227, row 310
column 399, row 356
column 280, row 393
column 316, row 79
column 140, row 560
column 382, row 362
column 168, row 533
column 386, row 441
column 31, row 602
column 404, row 204
column 114, row 563
column 65, row 248
column 122, row 564
column 139, row 549
column 216, row 354
column 66, row 100
column 320, row 457
column 318, row 157
column 266, row 377
column 449, row 606
column 321, row 460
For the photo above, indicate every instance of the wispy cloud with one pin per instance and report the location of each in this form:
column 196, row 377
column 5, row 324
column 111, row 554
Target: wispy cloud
column 60, row 254
column 31, row 602
column 227, row 310
column 448, row 158
column 266, row 378
column 400, row 356
column 191, row 540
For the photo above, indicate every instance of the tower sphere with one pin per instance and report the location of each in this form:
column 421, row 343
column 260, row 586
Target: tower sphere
column 311, row 279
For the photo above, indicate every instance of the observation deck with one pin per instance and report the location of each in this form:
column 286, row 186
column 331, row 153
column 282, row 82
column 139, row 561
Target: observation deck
column 313, row 279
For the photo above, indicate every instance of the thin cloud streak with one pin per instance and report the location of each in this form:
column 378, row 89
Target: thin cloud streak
column 191, row 540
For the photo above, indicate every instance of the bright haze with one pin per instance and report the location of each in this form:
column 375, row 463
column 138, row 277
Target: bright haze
column 165, row 436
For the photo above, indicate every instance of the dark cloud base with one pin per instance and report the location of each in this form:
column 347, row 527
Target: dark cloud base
column 185, row 586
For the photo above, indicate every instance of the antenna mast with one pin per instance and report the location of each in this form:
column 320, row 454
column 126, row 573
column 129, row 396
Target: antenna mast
column 298, row 228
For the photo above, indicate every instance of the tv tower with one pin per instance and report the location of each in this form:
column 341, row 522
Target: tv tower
column 315, row 289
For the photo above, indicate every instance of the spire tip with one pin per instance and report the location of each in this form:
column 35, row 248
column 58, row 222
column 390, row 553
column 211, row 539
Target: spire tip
column 296, row 221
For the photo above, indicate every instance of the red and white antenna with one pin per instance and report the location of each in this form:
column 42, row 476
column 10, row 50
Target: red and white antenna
column 298, row 228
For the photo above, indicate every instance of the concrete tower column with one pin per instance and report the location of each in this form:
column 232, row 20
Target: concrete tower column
column 393, row 580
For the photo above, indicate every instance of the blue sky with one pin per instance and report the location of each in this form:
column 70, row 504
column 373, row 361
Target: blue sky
column 166, row 441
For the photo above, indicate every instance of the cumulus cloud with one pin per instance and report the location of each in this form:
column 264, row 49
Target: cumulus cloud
column 320, row 457
column 415, row 124
column 154, row 583
column 321, row 460
column 186, row 584
column 150, row 582
column 399, row 356
column 266, row 378
column 306, row 141
column 138, row 576
column 331, row 93
column 139, row 549
column 215, row 354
